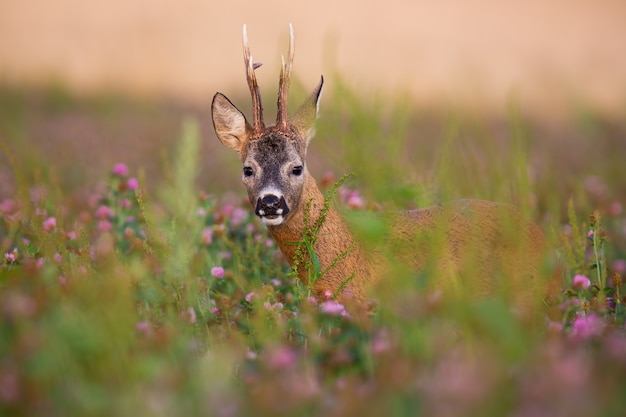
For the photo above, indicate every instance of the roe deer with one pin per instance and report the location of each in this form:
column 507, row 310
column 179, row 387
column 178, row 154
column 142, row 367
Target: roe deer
column 472, row 241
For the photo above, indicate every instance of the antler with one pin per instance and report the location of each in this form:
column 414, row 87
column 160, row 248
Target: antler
column 283, row 86
column 257, row 108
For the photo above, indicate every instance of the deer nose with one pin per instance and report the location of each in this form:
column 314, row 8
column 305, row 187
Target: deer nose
column 270, row 201
column 271, row 205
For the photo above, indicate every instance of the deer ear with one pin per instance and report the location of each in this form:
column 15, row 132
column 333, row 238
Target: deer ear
column 304, row 118
column 230, row 124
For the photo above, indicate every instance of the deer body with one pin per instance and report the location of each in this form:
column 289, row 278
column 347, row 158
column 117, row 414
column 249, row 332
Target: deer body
column 478, row 243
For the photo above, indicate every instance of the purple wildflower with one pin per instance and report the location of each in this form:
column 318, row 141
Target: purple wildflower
column 355, row 201
column 104, row 212
column 351, row 198
column 227, row 210
column 587, row 326
column 334, row 308
column 207, row 236
column 144, row 328
column 191, row 315
column 120, row 170
column 11, row 257
column 273, row 307
column 619, row 266
column 281, row 357
column 555, row 327
column 7, row 205
column 50, row 224
column 132, row 183
column 581, row 282
column 217, row 272
column 214, row 309
column 105, row 225
column 380, row 343
column 238, row 216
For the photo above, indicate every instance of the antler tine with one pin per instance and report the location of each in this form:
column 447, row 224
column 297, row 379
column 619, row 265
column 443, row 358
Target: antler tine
column 257, row 107
column 283, row 87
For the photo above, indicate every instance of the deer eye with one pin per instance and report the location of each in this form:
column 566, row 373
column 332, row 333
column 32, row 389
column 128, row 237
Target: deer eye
column 297, row 170
column 248, row 171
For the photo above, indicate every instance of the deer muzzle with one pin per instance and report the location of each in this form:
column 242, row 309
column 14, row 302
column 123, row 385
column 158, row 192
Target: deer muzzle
column 272, row 209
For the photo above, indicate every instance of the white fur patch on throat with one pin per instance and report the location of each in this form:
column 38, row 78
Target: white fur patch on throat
column 272, row 222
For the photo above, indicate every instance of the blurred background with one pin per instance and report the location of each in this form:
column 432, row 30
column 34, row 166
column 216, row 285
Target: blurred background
column 85, row 84
column 545, row 53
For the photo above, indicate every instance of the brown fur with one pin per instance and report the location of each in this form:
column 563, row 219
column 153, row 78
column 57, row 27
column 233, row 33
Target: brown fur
column 468, row 244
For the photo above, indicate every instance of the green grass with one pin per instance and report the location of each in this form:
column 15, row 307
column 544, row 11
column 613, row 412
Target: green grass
column 152, row 297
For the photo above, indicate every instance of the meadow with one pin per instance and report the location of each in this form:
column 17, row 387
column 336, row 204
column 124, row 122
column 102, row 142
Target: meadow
column 135, row 280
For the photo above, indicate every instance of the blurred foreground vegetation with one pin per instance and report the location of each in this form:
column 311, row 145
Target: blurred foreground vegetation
column 132, row 283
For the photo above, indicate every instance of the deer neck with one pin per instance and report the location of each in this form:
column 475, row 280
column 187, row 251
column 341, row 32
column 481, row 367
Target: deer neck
column 333, row 241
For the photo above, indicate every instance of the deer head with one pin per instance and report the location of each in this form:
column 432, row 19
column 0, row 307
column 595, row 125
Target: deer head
column 274, row 167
